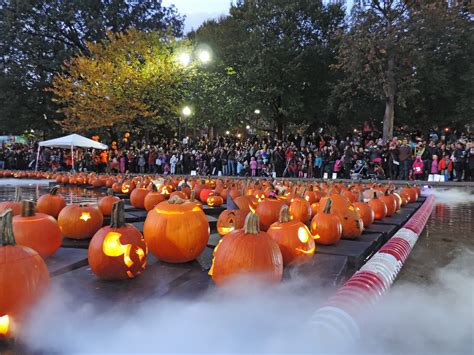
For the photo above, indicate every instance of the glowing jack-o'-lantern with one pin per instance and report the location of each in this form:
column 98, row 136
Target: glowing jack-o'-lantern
column 4, row 325
column 293, row 237
column 259, row 195
column 117, row 251
column 326, row 227
column 230, row 220
column 80, row 221
column 214, row 201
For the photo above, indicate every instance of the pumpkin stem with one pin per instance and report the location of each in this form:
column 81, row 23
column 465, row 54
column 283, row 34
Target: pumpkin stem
column 303, row 190
column 293, row 190
column 153, row 187
column 192, row 196
column 284, row 214
column 176, row 200
column 117, row 218
column 17, row 194
column 110, row 192
column 252, row 224
column 327, row 208
column 361, row 196
column 54, row 190
column 6, row 230
column 27, row 208
column 375, row 195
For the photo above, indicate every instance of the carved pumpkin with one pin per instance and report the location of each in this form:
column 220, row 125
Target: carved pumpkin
column 300, row 209
column 24, row 276
column 80, row 221
column 137, row 197
column 366, row 212
column 293, row 238
column 326, row 227
column 214, row 201
column 176, row 231
column 379, row 207
column 117, row 251
column 52, row 203
column 38, row 231
column 268, row 212
column 247, row 252
column 14, row 205
column 352, row 225
column 205, row 193
column 230, row 220
column 106, row 203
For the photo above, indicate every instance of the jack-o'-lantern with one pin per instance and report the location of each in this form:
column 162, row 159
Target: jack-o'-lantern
column 106, row 203
column 300, row 209
column 230, row 220
column 153, row 198
column 176, row 231
column 214, row 201
column 38, row 231
column 117, row 251
column 14, row 205
column 51, row 203
column 24, row 277
column 247, row 252
column 352, row 225
column 268, row 212
column 293, row 238
column 326, row 227
column 80, row 221
column 379, row 207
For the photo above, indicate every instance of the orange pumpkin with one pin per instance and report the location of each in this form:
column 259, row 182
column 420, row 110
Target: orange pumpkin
column 248, row 252
column 38, row 231
column 268, row 212
column 390, row 202
column 230, row 220
column 326, row 227
column 14, row 205
column 106, row 203
column 214, row 201
column 411, row 192
column 80, row 221
column 24, row 276
column 176, row 231
column 153, row 198
column 293, row 238
column 137, row 197
column 205, row 193
column 379, row 207
column 52, row 203
column 366, row 212
column 300, row 209
column 117, row 251
column 352, row 225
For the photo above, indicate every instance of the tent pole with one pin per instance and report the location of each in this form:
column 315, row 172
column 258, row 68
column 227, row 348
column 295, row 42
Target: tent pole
column 72, row 158
column 37, row 157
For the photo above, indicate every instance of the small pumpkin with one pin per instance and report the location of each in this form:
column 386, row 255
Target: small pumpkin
column 379, row 207
column 176, row 231
column 214, row 201
column 106, row 203
column 14, row 205
column 230, row 220
column 38, row 231
column 249, row 252
column 366, row 212
column 300, row 209
column 24, row 276
column 137, row 197
column 80, row 221
column 153, row 198
column 326, row 227
column 390, row 202
column 118, row 251
column 51, row 203
column 293, row 238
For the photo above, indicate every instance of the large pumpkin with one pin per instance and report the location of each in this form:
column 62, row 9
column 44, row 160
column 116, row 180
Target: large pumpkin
column 293, row 238
column 14, row 205
column 137, row 197
column 80, row 221
column 326, row 227
column 117, row 251
column 352, row 225
column 38, row 231
column 247, row 252
column 23, row 276
column 268, row 212
column 230, row 220
column 106, row 203
column 52, row 203
column 176, row 231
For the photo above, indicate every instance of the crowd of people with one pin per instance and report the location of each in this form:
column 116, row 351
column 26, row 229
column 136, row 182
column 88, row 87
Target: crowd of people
column 355, row 156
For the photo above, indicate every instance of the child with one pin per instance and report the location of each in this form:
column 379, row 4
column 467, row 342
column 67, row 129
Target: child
column 253, row 166
column 418, row 168
column 434, row 165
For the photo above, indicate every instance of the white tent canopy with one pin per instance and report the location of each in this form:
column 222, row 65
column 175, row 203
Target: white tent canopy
column 71, row 141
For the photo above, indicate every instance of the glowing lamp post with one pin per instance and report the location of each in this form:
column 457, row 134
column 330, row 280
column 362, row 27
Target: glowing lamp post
column 185, row 112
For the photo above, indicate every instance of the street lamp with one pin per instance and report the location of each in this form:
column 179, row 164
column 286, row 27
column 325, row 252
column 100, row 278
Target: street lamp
column 257, row 111
column 227, row 132
column 184, row 59
column 204, row 56
column 247, row 127
column 186, row 112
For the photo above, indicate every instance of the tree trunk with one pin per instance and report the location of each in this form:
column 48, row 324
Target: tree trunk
column 389, row 115
column 280, row 130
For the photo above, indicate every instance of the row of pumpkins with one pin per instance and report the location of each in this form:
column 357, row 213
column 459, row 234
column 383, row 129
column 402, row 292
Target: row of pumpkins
column 264, row 227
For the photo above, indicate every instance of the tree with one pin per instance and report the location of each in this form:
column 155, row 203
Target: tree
column 128, row 80
column 37, row 36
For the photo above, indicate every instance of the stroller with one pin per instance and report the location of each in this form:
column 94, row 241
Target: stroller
column 359, row 170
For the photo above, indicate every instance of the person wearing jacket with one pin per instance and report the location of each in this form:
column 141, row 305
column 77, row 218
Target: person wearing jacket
column 404, row 157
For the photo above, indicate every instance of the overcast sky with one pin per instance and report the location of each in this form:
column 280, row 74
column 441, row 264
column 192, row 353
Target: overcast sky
column 197, row 11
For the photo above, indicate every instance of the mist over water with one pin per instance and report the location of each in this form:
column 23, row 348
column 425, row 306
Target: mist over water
column 430, row 317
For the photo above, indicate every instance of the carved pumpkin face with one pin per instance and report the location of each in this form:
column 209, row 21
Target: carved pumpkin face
column 230, row 220
column 259, row 195
column 213, row 201
column 80, row 221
